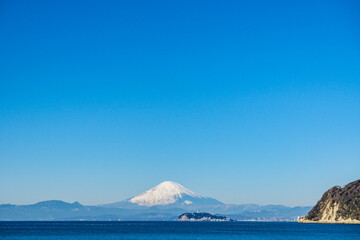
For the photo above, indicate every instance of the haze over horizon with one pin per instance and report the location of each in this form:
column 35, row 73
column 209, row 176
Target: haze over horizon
column 244, row 102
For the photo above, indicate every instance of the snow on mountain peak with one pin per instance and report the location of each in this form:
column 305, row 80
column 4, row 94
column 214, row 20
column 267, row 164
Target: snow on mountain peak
column 165, row 193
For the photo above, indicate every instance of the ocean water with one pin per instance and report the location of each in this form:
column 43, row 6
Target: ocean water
column 175, row 230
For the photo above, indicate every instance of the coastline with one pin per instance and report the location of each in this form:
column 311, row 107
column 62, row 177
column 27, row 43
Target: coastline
column 341, row 221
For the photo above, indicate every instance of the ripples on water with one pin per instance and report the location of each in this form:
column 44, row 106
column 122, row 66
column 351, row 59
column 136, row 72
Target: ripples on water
column 175, row 230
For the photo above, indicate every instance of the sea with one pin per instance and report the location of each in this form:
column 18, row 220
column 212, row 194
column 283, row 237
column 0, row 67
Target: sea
column 176, row 230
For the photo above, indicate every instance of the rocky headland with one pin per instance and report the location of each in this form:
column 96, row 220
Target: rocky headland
column 337, row 205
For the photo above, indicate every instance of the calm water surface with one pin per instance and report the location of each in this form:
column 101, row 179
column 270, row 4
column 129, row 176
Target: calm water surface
column 175, row 230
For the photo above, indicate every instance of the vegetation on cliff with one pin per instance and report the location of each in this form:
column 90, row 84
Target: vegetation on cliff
column 338, row 204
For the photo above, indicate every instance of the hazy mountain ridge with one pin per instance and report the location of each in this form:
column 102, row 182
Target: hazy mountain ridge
column 337, row 205
column 58, row 211
column 165, row 201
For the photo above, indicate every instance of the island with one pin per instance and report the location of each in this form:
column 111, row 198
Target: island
column 337, row 205
column 203, row 217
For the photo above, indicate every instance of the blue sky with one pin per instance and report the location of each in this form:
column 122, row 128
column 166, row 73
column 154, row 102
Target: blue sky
column 246, row 102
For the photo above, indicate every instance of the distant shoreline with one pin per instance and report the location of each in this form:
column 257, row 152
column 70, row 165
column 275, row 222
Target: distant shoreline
column 44, row 221
column 348, row 221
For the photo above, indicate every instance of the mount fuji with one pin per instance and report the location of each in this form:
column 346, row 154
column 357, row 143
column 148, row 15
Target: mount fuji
column 165, row 201
column 168, row 194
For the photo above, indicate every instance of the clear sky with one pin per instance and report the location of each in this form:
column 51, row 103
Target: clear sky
column 246, row 102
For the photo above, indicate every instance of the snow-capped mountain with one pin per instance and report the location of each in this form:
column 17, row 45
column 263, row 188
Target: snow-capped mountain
column 168, row 194
column 165, row 193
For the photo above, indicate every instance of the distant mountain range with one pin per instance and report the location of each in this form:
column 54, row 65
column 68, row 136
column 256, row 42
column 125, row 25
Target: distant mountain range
column 165, row 201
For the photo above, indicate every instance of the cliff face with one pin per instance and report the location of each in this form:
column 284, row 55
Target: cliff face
column 337, row 205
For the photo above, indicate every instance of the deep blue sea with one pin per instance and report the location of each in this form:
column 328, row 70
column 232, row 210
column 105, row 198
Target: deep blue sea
column 175, row 230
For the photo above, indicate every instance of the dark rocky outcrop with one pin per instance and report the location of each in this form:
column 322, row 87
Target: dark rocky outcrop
column 337, row 205
column 202, row 217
